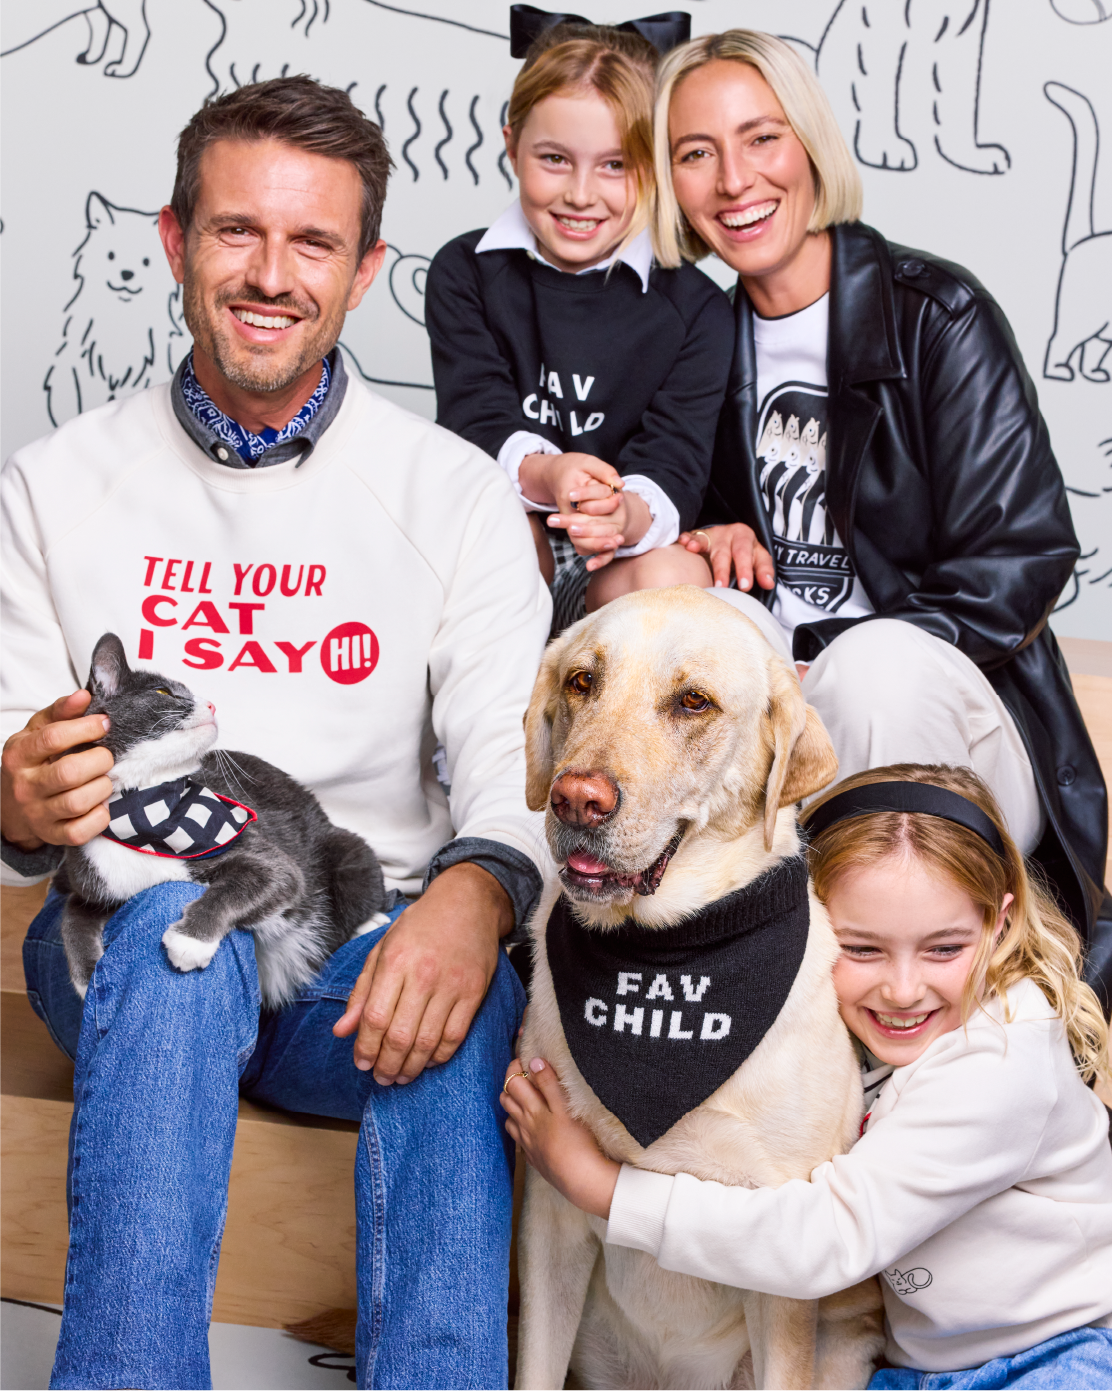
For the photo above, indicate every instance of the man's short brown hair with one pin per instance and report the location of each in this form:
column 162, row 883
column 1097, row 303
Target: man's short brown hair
column 300, row 112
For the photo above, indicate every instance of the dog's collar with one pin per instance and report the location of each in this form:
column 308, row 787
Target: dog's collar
column 658, row 1019
column 179, row 820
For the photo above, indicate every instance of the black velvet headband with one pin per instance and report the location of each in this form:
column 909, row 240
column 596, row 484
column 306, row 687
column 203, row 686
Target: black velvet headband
column 918, row 797
column 663, row 31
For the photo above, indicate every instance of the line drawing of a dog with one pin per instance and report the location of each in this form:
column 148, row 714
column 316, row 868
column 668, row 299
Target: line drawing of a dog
column 26, row 21
column 1081, row 328
column 867, row 51
column 121, row 330
column 608, row 726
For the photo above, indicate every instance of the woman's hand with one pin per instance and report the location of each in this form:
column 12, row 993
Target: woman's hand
column 562, row 1150
column 732, row 547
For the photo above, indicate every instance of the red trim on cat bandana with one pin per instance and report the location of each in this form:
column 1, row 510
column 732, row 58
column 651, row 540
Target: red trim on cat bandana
column 180, row 820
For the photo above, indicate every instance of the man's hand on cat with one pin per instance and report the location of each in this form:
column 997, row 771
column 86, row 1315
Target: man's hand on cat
column 422, row 984
column 47, row 794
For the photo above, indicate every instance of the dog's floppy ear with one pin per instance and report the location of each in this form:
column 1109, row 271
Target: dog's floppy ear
column 539, row 728
column 804, row 760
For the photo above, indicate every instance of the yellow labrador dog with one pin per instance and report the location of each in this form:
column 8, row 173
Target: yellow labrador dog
column 669, row 744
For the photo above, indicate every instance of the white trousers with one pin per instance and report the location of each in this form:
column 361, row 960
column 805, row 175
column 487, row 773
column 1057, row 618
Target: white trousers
column 890, row 693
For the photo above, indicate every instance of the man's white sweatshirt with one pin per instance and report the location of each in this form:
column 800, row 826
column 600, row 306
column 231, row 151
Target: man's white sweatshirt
column 980, row 1192
column 343, row 613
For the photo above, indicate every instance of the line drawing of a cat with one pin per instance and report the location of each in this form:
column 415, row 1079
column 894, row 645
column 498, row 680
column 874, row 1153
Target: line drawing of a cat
column 871, row 46
column 26, row 21
column 121, row 331
column 1081, row 328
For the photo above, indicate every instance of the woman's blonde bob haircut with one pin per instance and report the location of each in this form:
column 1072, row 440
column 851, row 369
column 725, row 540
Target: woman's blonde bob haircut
column 838, row 187
column 1037, row 943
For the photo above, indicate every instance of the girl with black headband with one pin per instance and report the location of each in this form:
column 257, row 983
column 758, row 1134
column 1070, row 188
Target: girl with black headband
column 979, row 1191
column 559, row 347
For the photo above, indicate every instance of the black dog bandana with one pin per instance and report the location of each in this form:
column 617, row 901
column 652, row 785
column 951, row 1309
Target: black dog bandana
column 178, row 820
column 658, row 1019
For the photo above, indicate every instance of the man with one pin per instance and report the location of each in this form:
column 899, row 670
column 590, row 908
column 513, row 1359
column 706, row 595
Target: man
column 317, row 561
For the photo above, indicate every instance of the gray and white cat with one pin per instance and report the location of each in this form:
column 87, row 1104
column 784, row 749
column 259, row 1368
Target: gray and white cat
column 303, row 886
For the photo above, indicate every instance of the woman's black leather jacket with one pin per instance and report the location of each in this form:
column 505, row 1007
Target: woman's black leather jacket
column 944, row 489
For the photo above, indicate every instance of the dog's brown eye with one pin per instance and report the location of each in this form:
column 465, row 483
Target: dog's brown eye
column 695, row 700
column 580, row 681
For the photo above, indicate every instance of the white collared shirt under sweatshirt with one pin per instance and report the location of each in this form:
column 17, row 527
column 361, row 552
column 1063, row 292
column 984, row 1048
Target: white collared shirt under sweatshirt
column 344, row 612
column 980, row 1193
column 511, row 231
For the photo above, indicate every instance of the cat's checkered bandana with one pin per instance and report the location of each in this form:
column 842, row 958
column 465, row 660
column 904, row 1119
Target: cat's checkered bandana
column 180, row 820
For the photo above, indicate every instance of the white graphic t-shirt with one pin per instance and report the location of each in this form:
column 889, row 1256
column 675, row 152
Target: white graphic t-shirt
column 815, row 578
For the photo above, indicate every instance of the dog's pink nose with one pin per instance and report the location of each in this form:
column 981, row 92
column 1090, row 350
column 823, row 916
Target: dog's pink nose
column 583, row 799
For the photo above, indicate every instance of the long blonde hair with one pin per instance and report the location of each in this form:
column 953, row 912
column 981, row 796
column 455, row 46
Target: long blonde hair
column 621, row 68
column 838, row 186
column 1037, row 942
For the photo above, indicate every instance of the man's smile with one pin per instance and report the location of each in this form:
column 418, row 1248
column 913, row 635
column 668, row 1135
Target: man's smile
column 262, row 324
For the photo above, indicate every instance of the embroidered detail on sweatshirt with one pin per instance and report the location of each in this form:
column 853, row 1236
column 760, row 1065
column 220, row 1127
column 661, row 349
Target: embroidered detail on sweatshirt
column 908, row 1281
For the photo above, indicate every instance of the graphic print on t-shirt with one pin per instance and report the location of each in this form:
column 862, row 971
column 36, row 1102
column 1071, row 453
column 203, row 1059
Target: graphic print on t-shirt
column 791, row 460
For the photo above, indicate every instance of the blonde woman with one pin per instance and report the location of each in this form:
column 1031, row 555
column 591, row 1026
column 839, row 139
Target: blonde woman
column 594, row 376
column 979, row 1191
column 881, row 469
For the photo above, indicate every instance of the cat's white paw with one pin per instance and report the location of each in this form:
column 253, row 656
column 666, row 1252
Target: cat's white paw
column 375, row 921
column 187, row 953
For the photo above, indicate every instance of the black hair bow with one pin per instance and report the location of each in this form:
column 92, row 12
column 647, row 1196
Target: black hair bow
column 663, row 31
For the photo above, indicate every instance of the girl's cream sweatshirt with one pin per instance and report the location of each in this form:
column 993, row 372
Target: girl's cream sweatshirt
column 979, row 1193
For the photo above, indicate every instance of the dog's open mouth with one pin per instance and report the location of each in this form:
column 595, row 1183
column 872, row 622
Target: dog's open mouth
column 589, row 877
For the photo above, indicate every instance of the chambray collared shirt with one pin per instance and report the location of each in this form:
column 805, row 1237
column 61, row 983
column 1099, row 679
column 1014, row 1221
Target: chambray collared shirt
column 300, row 447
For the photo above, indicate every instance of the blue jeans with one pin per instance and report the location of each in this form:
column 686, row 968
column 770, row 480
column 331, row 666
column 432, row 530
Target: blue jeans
column 1074, row 1361
column 160, row 1059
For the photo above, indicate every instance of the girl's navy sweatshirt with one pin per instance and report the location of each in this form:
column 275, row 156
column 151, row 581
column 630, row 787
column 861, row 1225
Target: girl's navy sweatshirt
column 590, row 362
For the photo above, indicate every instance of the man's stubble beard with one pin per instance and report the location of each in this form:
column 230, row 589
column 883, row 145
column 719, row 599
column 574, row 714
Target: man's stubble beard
column 264, row 374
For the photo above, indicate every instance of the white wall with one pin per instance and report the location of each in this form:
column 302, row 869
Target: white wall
column 986, row 165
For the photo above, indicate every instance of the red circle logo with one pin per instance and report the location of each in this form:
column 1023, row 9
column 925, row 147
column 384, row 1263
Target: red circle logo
column 349, row 653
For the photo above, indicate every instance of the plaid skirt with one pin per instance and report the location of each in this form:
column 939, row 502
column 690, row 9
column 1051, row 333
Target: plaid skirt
column 570, row 580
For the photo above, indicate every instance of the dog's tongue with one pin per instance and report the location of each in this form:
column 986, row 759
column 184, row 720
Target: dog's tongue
column 580, row 862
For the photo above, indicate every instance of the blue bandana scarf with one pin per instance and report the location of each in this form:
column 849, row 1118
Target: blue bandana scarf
column 179, row 820
column 247, row 445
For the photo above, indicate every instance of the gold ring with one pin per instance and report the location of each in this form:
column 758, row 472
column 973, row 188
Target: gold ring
column 705, row 537
column 511, row 1078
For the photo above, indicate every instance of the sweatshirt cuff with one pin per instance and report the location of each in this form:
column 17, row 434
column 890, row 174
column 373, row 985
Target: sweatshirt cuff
column 19, row 868
column 665, row 526
column 516, row 872
column 638, row 1208
column 510, row 457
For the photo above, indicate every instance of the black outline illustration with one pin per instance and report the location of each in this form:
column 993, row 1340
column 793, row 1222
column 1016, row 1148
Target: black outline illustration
column 1082, row 573
column 428, row 144
column 447, row 136
column 417, row 131
column 91, row 330
column 405, row 277
column 1088, row 11
column 885, row 37
column 1081, row 310
column 127, row 17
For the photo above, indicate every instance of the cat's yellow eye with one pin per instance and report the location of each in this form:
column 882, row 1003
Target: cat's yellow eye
column 162, row 691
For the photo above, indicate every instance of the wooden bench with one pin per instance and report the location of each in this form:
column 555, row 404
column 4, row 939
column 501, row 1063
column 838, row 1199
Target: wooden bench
column 289, row 1245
